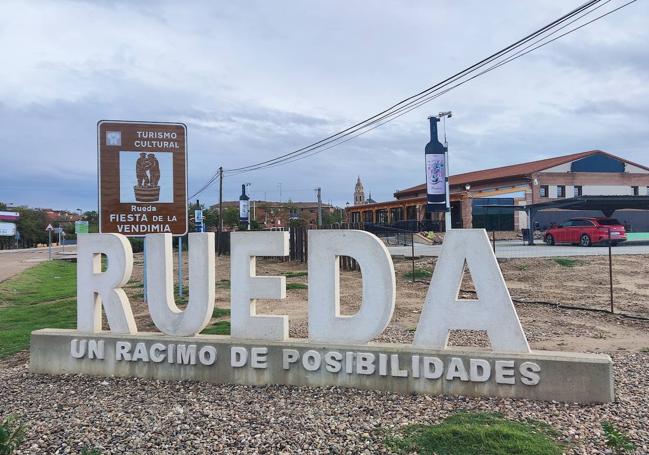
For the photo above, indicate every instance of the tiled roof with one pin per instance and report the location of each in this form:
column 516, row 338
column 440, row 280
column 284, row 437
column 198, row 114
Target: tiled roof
column 514, row 170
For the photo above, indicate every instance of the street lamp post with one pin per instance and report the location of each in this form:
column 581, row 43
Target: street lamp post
column 448, row 225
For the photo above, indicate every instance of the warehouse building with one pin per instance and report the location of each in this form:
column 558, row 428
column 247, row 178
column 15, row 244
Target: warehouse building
column 484, row 199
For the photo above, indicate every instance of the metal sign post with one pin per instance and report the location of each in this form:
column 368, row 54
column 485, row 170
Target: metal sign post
column 49, row 230
column 144, row 267
column 180, row 266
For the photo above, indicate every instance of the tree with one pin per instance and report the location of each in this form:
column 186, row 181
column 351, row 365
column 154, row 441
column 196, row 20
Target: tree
column 92, row 217
column 231, row 217
column 211, row 218
column 332, row 218
column 31, row 225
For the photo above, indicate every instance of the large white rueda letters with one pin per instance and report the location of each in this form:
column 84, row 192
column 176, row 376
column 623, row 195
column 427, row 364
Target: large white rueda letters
column 493, row 311
column 95, row 287
column 337, row 353
column 160, row 290
column 326, row 324
column 246, row 287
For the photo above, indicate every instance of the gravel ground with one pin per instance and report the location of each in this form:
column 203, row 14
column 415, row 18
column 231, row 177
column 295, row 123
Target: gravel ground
column 67, row 413
column 118, row 416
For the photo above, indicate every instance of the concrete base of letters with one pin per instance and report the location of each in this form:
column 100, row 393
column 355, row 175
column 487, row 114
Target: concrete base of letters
column 568, row 377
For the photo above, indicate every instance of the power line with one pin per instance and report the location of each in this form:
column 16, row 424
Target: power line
column 425, row 96
column 289, row 157
column 417, row 103
column 404, row 110
column 423, row 101
column 414, row 98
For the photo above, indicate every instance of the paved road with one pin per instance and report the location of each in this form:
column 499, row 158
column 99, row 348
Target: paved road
column 516, row 249
column 12, row 262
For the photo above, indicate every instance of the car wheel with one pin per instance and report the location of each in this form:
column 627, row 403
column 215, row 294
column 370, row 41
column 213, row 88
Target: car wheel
column 614, row 243
column 584, row 240
column 549, row 240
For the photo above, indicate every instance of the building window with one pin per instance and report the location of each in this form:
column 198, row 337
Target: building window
column 561, row 190
column 411, row 212
column 578, row 191
column 544, row 190
column 636, row 191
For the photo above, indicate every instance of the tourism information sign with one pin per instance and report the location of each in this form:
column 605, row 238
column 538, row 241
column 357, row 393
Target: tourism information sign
column 339, row 350
column 142, row 178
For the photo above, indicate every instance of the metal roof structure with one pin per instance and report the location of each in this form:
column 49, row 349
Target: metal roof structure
column 521, row 170
column 607, row 204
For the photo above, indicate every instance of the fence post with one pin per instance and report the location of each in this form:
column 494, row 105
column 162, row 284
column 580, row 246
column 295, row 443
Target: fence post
column 412, row 247
column 610, row 267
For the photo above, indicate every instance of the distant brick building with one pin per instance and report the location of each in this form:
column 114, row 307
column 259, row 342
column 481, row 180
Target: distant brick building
column 475, row 195
column 61, row 215
column 279, row 214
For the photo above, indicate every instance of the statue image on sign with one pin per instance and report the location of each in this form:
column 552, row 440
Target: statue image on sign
column 147, row 171
column 146, row 177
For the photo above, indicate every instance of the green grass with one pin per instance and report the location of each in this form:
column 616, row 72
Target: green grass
column 45, row 282
column 295, row 274
column 478, row 433
column 223, row 284
column 90, row 451
column 18, row 321
column 219, row 328
column 220, row 312
column 566, row 262
column 12, row 434
column 616, row 440
column 296, row 286
column 41, row 297
column 419, row 274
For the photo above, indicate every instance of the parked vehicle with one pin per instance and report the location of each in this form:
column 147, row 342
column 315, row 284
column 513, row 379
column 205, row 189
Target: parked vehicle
column 586, row 232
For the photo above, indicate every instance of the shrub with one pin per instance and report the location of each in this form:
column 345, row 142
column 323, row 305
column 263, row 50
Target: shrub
column 12, row 434
column 616, row 440
column 478, row 433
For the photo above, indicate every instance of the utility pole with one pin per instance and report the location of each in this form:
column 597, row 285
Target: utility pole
column 319, row 193
column 220, row 226
column 447, row 217
column 220, row 199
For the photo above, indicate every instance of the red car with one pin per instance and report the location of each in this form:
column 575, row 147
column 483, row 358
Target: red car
column 586, row 232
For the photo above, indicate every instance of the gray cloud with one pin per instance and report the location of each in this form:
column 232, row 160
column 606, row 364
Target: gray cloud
column 258, row 79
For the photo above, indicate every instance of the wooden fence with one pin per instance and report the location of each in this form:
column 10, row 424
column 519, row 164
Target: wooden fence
column 298, row 244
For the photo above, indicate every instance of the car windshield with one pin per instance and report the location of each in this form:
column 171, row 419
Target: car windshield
column 609, row 222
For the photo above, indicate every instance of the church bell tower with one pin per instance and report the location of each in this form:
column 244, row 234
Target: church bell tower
column 359, row 193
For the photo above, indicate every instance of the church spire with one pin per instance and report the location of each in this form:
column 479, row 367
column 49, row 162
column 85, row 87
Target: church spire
column 359, row 193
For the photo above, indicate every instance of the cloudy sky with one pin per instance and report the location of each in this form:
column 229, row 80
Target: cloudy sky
column 256, row 79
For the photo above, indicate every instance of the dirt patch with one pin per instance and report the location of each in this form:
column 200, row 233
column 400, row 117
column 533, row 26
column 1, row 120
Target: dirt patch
column 584, row 284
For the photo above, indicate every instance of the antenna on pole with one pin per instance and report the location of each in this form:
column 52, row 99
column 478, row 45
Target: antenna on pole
column 447, row 217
